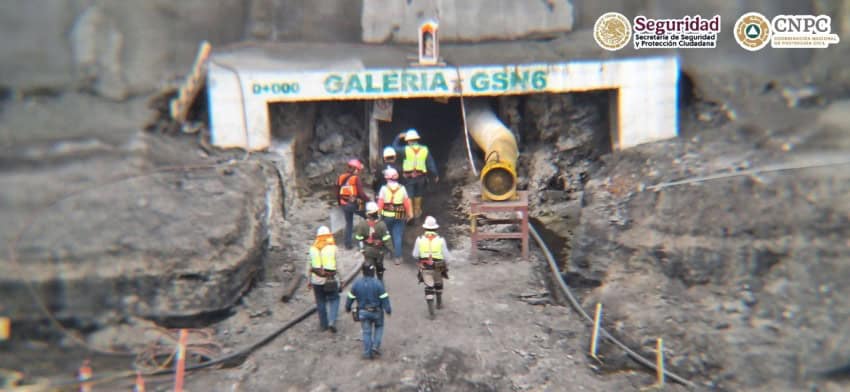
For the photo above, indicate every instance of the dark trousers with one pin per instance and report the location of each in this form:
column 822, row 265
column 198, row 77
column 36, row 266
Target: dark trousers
column 377, row 261
column 415, row 186
column 349, row 210
column 327, row 305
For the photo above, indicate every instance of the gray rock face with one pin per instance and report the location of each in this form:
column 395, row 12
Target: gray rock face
column 125, row 46
column 96, row 46
column 397, row 21
column 172, row 244
column 728, row 270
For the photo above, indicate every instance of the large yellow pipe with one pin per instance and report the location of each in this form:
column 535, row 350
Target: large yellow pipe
column 498, row 177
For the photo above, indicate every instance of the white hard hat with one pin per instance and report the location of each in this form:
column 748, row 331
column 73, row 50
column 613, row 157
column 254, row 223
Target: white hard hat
column 371, row 207
column 430, row 223
column 323, row 230
column 391, row 173
column 389, row 152
column 411, row 135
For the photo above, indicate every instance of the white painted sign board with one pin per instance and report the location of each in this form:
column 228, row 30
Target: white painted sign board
column 646, row 100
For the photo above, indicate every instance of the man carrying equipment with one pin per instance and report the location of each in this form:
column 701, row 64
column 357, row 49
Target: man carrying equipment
column 431, row 251
column 373, row 239
column 372, row 302
column 418, row 163
column 394, row 206
column 349, row 195
column 323, row 278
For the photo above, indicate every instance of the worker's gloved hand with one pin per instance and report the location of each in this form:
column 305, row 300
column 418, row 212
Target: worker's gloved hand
column 445, row 274
column 436, row 179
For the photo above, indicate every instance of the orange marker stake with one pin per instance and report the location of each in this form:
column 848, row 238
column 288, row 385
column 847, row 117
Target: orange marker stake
column 181, row 361
column 5, row 328
column 85, row 374
column 140, row 383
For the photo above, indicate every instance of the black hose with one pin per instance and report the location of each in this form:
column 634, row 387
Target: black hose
column 243, row 352
column 574, row 303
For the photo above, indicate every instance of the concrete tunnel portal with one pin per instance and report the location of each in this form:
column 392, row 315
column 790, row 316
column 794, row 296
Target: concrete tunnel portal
column 247, row 86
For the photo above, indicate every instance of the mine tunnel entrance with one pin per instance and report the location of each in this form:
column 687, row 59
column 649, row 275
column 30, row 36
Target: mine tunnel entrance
column 439, row 124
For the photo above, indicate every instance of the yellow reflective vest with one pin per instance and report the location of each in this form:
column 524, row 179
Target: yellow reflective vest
column 431, row 247
column 415, row 158
column 324, row 258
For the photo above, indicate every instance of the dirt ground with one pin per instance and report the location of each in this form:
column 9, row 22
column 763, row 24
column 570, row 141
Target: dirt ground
column 487, row 337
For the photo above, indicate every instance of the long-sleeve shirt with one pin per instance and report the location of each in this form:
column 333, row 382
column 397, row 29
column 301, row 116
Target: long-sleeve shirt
column 369, row 293
column 358, row 187
column 408, row 207
column 320, row 280
column 429, row 162
column 445, row 249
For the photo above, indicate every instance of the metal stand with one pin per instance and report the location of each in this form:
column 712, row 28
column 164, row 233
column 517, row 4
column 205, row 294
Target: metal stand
column 518, row 207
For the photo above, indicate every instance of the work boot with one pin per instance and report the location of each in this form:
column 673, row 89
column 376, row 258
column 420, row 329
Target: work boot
column 431, row 314
column 439, row 300
column 332, row 328
column 417, row 207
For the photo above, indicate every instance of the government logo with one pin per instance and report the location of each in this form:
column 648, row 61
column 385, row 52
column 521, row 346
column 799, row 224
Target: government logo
column 752, row 31
column 612, row 31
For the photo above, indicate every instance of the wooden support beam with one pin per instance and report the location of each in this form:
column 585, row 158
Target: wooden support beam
column 191, row 87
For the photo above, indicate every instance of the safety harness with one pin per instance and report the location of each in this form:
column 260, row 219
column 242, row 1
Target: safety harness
column 393, row 210
column 347, row 188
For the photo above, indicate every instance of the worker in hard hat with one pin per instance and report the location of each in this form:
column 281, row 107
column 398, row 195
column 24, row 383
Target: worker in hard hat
column 323, row 277
column 417, row 165
column 390, row 156
column 351, row 197
column 432, row 252
column 372, row 302
column 394, row 206
column 373, row 239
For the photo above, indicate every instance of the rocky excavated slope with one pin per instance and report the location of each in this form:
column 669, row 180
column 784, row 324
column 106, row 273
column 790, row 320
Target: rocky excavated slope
column 744, row 277
column 130, row 224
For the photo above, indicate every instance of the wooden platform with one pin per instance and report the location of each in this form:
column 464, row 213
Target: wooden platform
column 518, row 208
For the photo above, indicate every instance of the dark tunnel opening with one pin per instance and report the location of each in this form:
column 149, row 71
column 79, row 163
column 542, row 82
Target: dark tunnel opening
column 438, row 124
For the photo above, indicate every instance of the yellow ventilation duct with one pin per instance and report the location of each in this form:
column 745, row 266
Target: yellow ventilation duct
column 498, row 177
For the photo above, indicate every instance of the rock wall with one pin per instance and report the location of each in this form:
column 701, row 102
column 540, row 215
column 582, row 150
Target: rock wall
column 116, row 48
column 177, row 243
column 398, row 21
column 121, row 48
column 745, row 278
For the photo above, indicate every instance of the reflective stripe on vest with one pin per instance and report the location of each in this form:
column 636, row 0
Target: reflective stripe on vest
column 431, row 247
column 393, row 196
column 415, row 158
column 393, row 201
column 347, row 186
column 325, row 258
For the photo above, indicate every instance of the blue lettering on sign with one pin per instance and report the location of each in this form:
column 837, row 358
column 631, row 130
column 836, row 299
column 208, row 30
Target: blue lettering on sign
column 388, row 82
column 275, row 88
column 504, row 81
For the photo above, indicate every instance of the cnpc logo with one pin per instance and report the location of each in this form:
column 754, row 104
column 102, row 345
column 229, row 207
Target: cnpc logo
column 809, row 24
column 753, row 31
